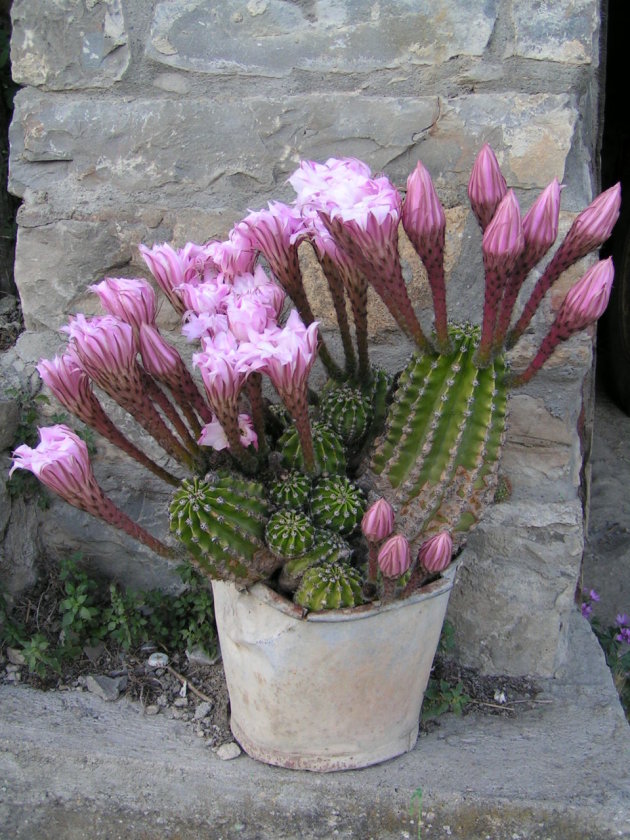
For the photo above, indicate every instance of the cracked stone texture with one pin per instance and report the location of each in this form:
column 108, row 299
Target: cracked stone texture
column 69, row 44
column 271, row 37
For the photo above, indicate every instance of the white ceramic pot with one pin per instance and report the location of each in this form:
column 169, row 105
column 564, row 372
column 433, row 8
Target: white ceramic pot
column 335, row 690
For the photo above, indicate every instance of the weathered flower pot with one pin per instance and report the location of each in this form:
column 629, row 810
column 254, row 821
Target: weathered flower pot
column 335, row 690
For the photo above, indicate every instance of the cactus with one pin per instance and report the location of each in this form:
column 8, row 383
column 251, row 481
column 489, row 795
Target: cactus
column 328, row 449
column 347, row 411
column 221, row 521
column 289, row 533
column 328, row 547
column 437, row 460
column 337, row 504
column 331, row 586
column 290, row 491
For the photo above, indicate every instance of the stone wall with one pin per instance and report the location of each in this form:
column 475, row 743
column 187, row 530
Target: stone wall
column 165, row 121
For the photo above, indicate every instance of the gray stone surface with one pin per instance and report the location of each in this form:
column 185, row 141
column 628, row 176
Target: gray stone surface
column 271, row 37
column 68, row 44
column 73, row 766
column 9, row 419
column 563, row 31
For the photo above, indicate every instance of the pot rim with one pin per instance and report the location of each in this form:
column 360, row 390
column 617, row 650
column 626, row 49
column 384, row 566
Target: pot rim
column 273, row 599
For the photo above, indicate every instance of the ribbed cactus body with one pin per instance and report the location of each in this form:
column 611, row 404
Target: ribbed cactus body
column 331, row 586
column 378, row 394
column 347, row 411
column 337, row 504
column 221, row 521
column 438, row 458
column 290, row 491
column 327, row 548
column 329, row 453
column 289, row 533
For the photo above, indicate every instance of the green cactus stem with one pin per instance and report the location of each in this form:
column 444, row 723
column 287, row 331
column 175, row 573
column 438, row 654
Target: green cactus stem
column 337, row 504
column 290, row 491
column 289, row 533
column 221, row 521
column 331, row 586
column 329, row 456
column 347, row 411
column 437, row 461
column 327, row 548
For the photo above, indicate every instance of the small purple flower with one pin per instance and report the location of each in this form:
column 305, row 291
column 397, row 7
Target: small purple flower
column 624, row 636
column 593, row 595
column 623, row 620
column 587, row 610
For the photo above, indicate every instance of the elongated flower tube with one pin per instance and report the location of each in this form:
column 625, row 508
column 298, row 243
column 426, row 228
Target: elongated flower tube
column 590, row 229
column 61, row 462
column 540, row 229
column 287, row 355
column 71, row 385
column 165, row 364
column 105, row 348
column 131, row 299
column 503, row 242
column 224, row 367
column 425, row 224
column 486, row 186
column 584, row 304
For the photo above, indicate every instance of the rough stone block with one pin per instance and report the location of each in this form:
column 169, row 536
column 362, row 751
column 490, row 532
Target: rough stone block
column 564, row 31
column 68, row 44
column 516, row 587
column 271, row 37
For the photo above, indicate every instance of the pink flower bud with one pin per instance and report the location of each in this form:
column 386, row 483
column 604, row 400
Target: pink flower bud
column 540, row 225
column 378, row 521
column 394, row 558
column 435, row 553
column 594, row 225
column 503, row 239
column 422, row 212
column 159, row 358
column 587, row 300
column 486, row 187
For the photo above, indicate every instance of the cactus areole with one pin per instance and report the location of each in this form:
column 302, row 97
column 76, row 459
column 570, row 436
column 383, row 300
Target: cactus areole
column 274, row 489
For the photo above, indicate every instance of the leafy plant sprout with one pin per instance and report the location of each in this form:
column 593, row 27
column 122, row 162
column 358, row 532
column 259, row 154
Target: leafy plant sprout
column 366, row 490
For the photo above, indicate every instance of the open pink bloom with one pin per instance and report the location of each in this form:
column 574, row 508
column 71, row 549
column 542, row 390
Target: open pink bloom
column 172, row 268
column 540, row 224
column 105, row 345
column 213, row 435
column 486, row 186
column 235, row 255
column 257, row 286
column 312, row 179
column 588, row 298
column 224, row 367
column 394, row 558
column 378, row 521
column 61, row 462
column 210, row 297
column 68, row 382
column 203, row 325
column 274, row 232
column 131, row 299
column 246, row 315
column 287, row 354
column 435, row 554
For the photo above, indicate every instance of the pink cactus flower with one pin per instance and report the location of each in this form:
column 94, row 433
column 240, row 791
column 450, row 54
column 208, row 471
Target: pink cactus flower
column 394, row 558
column 204, row 325
column 104, row 345
column 378, row 521
column 540, row 224
column 246, row 315
column 160, row 358
column 172, row 268
column 486, row 186
column 275, row 232
column 224, row 367
column 131, row 299
column 435, row 554
column 61, row 462
column 68, row 382
column 287, row 355
column 210, row 297
column 234, row 256
column 213, row 435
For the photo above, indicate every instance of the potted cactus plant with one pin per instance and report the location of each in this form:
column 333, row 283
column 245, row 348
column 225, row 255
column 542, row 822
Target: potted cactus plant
column 327, row 522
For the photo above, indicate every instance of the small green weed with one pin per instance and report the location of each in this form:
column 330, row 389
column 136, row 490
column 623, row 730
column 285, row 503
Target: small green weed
column 441, row 696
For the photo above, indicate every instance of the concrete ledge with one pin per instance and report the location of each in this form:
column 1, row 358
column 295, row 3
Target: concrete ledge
column 74, row 766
